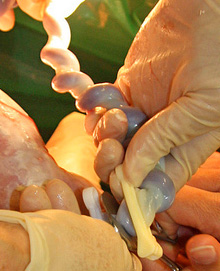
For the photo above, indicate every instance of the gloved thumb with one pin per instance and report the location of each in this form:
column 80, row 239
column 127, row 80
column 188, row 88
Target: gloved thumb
column 180, row 132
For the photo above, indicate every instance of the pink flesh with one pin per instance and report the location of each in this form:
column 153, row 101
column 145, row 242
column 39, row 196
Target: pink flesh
column 24, row 158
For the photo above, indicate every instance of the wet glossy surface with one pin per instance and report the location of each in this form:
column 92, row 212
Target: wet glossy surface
column 157, row 179
column 124, row 218
column 101, row 95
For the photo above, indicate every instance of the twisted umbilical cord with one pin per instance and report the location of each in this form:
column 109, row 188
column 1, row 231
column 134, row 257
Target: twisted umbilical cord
column 70, row 79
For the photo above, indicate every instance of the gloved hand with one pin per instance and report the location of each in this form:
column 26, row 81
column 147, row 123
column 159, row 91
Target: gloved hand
column 171, row 73
column 194, row 222
column 58, row 240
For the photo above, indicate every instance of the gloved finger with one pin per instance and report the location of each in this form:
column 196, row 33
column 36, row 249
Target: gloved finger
column 189, row 210
column 204, row 253
column 155, row 140
column 92, row 117
column 184, row 160
column 34, row 198
column 115, row 186
column 176, row 163
column 113, row 124
column 110, row 154
column 61, row 196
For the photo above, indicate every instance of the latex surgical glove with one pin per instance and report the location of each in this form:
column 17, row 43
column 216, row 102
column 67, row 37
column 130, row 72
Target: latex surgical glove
column 171, row 73
column 61, row 240
column 74, row 251
column 194, row 220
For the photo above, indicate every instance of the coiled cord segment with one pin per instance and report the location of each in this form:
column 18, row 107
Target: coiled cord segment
column 70, row 79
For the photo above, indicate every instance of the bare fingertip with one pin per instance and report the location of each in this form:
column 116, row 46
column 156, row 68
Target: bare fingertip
column 34, row 198
column 92, row 118
column 113, row 124
column 110, row 154
column 202, row 250
column 61, row 196
column 115, row 186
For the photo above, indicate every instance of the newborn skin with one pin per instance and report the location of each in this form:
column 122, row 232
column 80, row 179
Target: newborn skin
column 24, row 158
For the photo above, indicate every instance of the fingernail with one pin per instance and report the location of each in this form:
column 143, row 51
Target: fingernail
column 203, row 255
